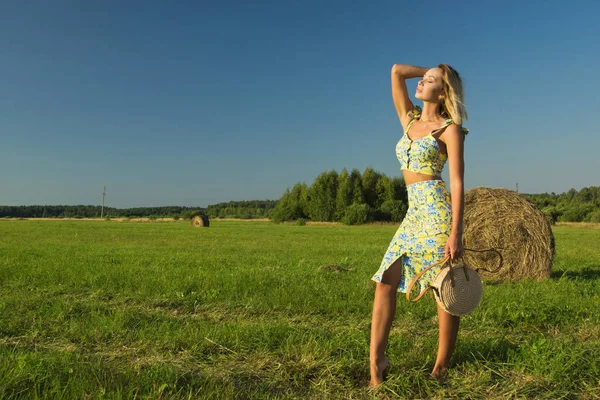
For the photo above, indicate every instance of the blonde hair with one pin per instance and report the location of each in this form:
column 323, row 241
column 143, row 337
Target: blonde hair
column 452, row 105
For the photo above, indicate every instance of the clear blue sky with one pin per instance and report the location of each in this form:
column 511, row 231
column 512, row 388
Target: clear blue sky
column 197, row 102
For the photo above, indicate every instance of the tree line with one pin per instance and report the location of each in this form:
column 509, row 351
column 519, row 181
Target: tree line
column 242, row 209
column 231, row 209
column 372, row 196
column 571, row 206
column 351, row 198
column 89, row 211
column 348, row 197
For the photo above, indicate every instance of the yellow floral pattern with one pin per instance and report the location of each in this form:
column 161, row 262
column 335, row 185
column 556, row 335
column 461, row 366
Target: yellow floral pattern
column 423, row 154
column 422, row 236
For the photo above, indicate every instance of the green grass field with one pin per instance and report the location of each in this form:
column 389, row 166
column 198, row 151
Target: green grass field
column 106, row 309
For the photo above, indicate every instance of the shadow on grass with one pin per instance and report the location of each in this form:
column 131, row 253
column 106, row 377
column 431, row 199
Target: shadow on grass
column 474, row 351
column 587, row 273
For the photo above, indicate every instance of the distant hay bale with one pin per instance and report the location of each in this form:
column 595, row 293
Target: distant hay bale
column 200, row 221
column 506, row 221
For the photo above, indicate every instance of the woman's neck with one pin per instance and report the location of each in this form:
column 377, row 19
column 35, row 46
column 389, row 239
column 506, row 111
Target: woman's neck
column 430, row 112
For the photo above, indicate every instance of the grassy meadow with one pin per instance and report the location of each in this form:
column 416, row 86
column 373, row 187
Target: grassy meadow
column 122, row 309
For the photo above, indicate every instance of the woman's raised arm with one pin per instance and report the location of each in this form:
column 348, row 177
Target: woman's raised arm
column 401, row 72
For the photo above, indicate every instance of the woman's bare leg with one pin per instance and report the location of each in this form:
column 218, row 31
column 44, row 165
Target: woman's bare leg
column 384, row 309
column 446, row 342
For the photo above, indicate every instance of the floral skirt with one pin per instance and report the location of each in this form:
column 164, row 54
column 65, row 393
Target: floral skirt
column 422, row 236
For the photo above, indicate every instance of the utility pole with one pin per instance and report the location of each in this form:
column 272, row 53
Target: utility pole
column 517, row 187
column 103, row 195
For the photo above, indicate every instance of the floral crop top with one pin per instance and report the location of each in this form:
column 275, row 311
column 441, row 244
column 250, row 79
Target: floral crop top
column 422, row 155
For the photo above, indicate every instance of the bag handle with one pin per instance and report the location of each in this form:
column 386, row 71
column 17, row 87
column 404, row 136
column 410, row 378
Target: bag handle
column 420, row 274
column 500, row 260
column 447, row 258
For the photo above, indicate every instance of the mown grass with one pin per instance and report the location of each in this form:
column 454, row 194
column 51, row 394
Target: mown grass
column 105, row 309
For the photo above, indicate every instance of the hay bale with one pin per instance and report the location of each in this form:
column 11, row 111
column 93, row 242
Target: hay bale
column 200, row 221
column 508, row 222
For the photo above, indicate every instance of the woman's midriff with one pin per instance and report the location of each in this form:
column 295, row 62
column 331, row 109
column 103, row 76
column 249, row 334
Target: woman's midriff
column 414, row 177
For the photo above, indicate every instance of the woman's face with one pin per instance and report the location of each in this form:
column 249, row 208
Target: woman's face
column 430, row 87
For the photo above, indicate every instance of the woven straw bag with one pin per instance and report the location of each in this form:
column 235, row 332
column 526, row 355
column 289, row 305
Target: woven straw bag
column 457, row 288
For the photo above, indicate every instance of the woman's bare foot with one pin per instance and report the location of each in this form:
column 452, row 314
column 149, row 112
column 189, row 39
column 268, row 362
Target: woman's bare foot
column 378, row 370
column 438, row 373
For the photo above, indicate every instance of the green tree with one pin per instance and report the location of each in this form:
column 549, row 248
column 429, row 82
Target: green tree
column 344, row 195
column 357, row 190
column 394, row 210
column 369, row 186
column 290, row 206
column 299, row 201
column 400, row 192
column 385, row 190
column 322, row 197
column 357, row 214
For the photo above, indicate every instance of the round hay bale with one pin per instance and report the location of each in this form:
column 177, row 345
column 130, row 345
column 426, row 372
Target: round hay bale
column 508, row 222
column 200, row 221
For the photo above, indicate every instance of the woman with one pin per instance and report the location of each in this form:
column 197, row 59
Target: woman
column 433, row 225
